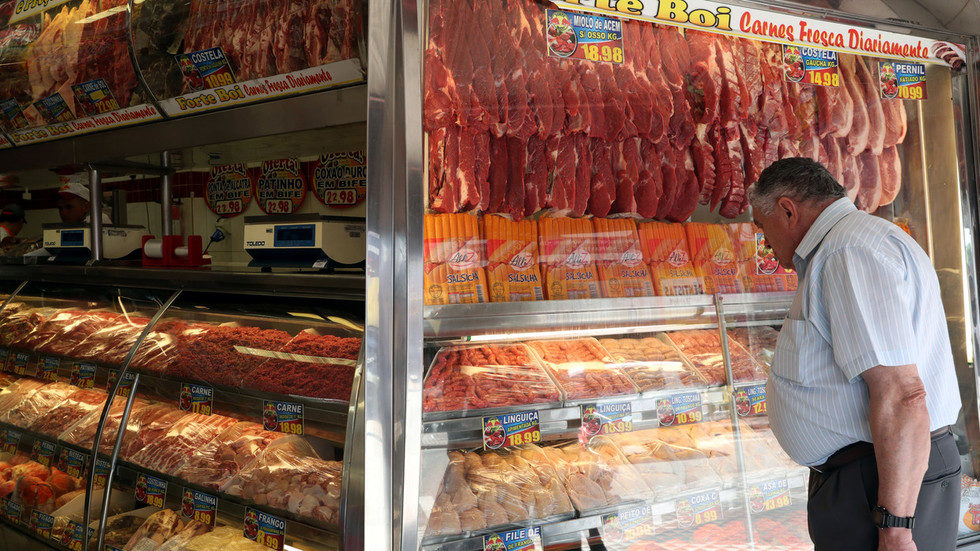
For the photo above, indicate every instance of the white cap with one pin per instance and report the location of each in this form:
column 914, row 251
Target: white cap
column 74, row 188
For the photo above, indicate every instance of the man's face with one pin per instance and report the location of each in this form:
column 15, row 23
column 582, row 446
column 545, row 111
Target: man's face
column 783, row 229
column 72, row 209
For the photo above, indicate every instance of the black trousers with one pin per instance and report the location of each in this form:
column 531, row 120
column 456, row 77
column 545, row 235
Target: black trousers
column 840, row 503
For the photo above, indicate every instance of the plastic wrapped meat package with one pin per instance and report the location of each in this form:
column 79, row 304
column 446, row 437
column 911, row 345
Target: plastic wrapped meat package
column 225, row 538
column 158, row 528
column 703, row 348
column 237, row 447
column 148, row 425
column 34, row 485
column 18, row 325
column 17, row 392
column 79, row 404
column 41, row 401
column 119, row 529
column 595, row 475
column 583, row 368
column 157, row 350
column 193, row 431
column 486, row 376
column 668, row 460
column 291, row 477
column 113, row 340
column 82, row 433
column 759, row 341
column 484, row 489
column 180, row 540
column 652, row 363
column 69, row 337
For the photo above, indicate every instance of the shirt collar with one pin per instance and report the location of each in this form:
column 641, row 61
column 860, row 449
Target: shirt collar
column 821, row 226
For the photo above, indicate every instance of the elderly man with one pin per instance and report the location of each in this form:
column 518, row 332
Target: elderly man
column 862, row 387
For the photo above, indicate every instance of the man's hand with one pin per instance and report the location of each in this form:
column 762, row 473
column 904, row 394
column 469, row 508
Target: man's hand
column 895, row 539
column 900, row 430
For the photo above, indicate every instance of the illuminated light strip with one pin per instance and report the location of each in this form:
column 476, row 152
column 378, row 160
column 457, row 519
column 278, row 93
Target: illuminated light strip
column 773, row 27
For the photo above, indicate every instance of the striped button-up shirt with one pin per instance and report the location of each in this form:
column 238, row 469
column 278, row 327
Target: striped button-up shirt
column 868, row 296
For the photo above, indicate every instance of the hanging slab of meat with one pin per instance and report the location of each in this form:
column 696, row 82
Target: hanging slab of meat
column 583, row 174
column 734, row 201
column 723, row 166
column 603, row 186
column 703, row 151
column 546, row 101
column 668, row 178
column 561, row 175
column 498, row 176
column 481, row 145
column 857, row 138
column 672, row 50
column 835, row 160
column 869, row 194
column 835, row 109
column 649, row 188
column 689, row 190
column 516, row 160
column 876, row 114
column 791, row 102
column 732, row 90
column 443, row 153
column 896, row 122
column 806, row 110
column 891, row 175
column 440, row 93
column 595, row 100
column 704, row 77
column 639, row 104
column 852, row 176
column 748, row 63
column 753, row 149
column 773, row 113
column 613, row 104
column 535, row 176
column 500, row 51
column 626, row 169
column 788, row 148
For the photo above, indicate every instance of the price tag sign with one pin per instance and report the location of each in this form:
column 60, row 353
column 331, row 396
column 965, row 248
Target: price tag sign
column 41, row 524
column 340, row 179
column 573, row 35
column 513, row 429
column 205, row 69
column 125, row 387
column 12, row 511
column 199, row 506
column 47, row 368
column 264, row 528
column 72, row 462
column 83, row 374
column 196, row 398
column 54, row 109
column 101, row 472
column 21, row 365
column 94, row 98
column 750, row 401
column 72, row 537
column 284, row 417
column 281, row 187
column 902, row 80
column 521, row 539
column 13, row 115
column 811, row 65
column 150, row 490
column 769, row 495
column 680, row 409
column 5, row 359
column 612, row 418
column 229, row 189
column 43, row 452
column 627, row 525
column 698, row 509
column 10, row 440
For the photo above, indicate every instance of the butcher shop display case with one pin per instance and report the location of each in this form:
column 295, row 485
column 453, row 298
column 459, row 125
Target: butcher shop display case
column 227, row 423
column 586, row 363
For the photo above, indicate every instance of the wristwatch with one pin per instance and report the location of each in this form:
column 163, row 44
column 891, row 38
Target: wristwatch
column 883, row 519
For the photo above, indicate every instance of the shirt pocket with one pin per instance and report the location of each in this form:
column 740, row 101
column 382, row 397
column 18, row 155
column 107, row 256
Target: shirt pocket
column 796, row 348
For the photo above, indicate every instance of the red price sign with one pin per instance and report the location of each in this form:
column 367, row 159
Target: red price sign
column 680, row 409
column 698, row 509
column 229, row 189
column 750, row 400
column 513, row 429
column 281, row 186
column 769, row 495
column 199, row 506
column 340, row 179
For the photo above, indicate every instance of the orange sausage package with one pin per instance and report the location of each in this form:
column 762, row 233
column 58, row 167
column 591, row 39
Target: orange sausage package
column 513, row 274
column 713, row 256
column 759, row 270
column 567, row 248
column 454, row 260
column 622, row 272
column 665, row 249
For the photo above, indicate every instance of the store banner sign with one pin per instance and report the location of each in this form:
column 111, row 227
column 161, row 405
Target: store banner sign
column 512, row 429
column 196, row 398
column 280, row 187
column 609, row 418
column 123, row 117
column 902, row 80
column 264, row 529
column 627, row 525
column 150, row 490
column 25, row 9
column 775, row 27
column 769, row 495
column 340, row 179
column 680, row 409
column 750, row 401
column 229, row 189
column 521, row 539
column 698, row 509
column 285, row 417
column 199, row 506
column 575, row 35
column 47, row 367
column 811, row 66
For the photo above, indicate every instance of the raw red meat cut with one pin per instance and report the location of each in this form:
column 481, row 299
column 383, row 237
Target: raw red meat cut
column 650, row 186
column 626, row 166
column 603, row 188
column 891, row 175
column 688, row 191
column 852, row 176
column 896, row 122
column 836, row 110
column 669, row 179
column 869, row 194
column 857, row 138
column 835, row 161
column 735, row 201
column 704, row 77
column 876, row 115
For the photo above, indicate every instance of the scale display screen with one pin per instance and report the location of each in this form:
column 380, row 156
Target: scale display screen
column 295, row 235
column 72, row 238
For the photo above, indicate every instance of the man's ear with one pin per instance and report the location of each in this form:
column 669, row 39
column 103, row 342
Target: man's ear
column 787, row 209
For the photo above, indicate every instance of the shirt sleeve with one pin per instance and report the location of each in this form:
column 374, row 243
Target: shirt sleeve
column 866, row 301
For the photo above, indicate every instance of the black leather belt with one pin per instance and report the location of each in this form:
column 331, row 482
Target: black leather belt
column 860, row 450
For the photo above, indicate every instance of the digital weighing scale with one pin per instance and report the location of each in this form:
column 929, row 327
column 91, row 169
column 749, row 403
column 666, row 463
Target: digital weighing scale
column 306, row 241
column 72, row 243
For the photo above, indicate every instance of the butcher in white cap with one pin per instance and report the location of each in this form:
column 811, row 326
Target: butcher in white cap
column 73, row 204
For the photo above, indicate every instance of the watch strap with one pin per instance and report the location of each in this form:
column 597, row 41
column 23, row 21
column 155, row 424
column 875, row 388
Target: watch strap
column 883, row 519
